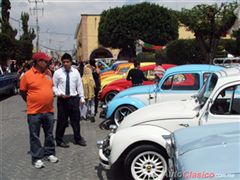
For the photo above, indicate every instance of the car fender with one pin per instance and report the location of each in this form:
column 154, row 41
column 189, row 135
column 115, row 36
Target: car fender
column 107, row 89
column 114, row 104
column 123, row 139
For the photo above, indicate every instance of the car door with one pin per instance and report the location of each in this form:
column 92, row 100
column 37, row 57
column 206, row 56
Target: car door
column 179, row 86
column 225, row 107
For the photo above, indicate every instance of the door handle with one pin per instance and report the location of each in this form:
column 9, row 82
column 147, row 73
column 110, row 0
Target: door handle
column 150, row 97
column 184, row 125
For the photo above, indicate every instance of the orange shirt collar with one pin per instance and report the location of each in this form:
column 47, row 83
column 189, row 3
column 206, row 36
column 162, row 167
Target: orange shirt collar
column 37, row 71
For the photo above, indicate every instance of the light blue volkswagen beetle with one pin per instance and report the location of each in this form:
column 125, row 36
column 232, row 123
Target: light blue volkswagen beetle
column 180, row 82
column 205, row 152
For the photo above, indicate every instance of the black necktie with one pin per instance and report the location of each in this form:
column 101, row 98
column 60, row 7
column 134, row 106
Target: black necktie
column 67, row 92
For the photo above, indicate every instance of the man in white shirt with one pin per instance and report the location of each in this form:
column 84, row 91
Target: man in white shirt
column 69, row 90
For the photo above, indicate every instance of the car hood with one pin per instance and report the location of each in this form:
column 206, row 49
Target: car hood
column 204, row 136
column 210, row 157
column 161, row 112
column 136, row 90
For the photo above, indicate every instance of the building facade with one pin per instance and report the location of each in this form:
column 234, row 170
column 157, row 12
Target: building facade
column 86, row 36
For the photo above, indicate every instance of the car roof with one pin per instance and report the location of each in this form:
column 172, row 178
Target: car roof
column 229, row 72
column 194, row 67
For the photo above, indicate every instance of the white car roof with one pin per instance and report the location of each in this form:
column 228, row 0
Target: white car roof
column 229, row 73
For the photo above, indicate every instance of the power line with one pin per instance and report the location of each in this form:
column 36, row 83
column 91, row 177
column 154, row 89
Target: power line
column 35, row 9
column 65, row 50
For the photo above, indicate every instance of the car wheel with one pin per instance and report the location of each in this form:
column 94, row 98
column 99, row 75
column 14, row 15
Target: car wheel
column 146, row 162
column 122, row 112
column 109, row 96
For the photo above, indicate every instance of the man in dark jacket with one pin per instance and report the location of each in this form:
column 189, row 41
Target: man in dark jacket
column 136, row 75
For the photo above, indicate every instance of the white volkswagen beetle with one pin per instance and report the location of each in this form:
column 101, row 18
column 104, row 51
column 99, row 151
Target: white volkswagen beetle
column 139, row 141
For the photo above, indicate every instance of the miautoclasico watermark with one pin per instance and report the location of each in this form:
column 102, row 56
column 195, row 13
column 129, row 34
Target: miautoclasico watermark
column 201, row 175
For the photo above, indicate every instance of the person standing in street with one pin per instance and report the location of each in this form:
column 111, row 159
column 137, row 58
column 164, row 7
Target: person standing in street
column 89, row 85
column 36, row 89
column 96, row 77
column 70, row 95
column 136, row 75
column 158, row 71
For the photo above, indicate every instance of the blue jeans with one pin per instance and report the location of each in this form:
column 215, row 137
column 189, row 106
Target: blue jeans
column 35, row 121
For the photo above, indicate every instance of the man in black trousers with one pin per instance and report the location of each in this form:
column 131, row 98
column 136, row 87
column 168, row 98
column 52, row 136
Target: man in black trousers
column 69, row 90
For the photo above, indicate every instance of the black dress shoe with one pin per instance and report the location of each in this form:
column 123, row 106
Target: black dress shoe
column 92, row 119
column 63, row 145
column 81, row 142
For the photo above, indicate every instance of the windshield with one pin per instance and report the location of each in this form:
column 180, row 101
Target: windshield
column 207, row 89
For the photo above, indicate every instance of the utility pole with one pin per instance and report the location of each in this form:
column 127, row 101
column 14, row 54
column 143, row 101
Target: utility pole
column 35, row 10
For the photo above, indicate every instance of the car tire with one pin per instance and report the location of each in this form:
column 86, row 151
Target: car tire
column 146, row 162
column 109, row 96
column 121, row 112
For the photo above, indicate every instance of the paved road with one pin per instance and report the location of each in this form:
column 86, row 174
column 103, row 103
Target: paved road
column 76, row 162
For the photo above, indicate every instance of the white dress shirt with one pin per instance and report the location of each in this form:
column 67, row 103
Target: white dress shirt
column 59, row 82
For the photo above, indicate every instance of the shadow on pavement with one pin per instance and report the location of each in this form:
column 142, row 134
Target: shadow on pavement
column 115, row 173
column 69, row 138
column 3, row 97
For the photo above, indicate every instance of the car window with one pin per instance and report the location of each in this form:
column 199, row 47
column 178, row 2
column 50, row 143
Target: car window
column 205, row 76
column 189, row 81
column 227, row 101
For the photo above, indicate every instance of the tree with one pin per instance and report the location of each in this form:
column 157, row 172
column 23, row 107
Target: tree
column 122, row 27
column 184, row 52
column 23, row 50
column 6, row 27
column 209, row 23
column 24, row 46
column 232, row 46
column 28, row 35
column 6, row 48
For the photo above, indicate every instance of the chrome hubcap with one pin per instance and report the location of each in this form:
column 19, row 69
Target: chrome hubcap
column 121, row 113
column 149, row 165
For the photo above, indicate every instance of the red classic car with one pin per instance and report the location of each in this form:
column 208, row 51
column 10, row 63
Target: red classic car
column 115, row 87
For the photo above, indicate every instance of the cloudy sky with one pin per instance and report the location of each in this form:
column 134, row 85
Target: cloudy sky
column 58, row 19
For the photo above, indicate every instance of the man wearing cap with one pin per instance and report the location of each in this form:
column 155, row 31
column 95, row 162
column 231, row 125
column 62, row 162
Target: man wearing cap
column 69, row 90
column 36, row 88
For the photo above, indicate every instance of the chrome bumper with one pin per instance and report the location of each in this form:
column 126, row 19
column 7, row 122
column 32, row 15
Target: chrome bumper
column 104, row 152
column 103, row 160
column 103, row 113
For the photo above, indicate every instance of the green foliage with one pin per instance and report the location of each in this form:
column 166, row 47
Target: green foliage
column 161, row 56
column 28, row 35
column 10, row 47
column 232, row 46
column 6, row 48
column 23, row 50
column 184, row 52
column 122, row 27
column 146, row 57
column 5, row 25
column 209, row 22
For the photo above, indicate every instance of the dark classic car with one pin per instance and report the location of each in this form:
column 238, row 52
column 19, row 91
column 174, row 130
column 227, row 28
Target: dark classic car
column 8, row 83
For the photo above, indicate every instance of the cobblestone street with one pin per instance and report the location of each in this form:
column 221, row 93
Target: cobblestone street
column 76, row 162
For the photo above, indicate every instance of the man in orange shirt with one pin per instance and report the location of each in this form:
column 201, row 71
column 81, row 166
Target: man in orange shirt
column 36, row 89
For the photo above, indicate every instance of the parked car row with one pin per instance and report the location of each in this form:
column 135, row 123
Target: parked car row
column 178, row 83
column 189, row 95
